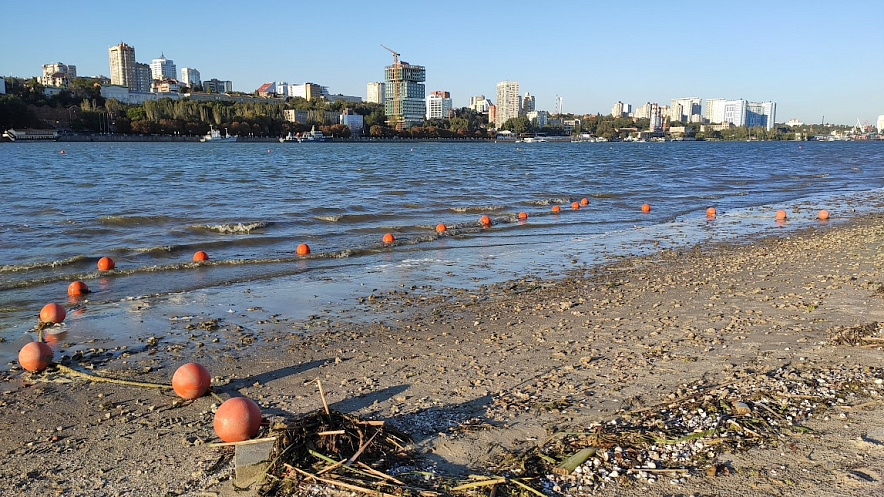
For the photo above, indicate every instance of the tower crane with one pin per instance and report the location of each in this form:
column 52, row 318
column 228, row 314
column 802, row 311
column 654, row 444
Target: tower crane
column 395, row 78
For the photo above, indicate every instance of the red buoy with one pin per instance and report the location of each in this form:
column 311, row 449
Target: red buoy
column 710, row 212
column 52, row 313
column 77, row 288
column 35, row 356
column 441, row 228
column 781, row 214
column 199, row 255
column 646, row 207
column 191, row 380
column 303, row 249
column 485, row 221
column 389, row 238
column 556, row 209
column 823, row 215
column 523, row 215
column 105, row 264
column 237, row 419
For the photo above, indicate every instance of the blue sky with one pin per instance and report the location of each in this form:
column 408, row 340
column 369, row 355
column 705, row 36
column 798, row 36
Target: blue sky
column 814, row 58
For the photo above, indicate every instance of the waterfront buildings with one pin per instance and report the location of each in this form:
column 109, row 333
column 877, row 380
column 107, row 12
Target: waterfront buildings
column 508, row 102
column 480, row 104
column 538, row 118
column 714, row 111
column 404, row 94
column 190, row 77
column 761, row 114
column 686, row 110
column 122, row 65
column 374, row 92
column 528, row 103
column 215, row 85
column 163, row 68
column 438, row 105
column 353, row 121
column 58, row 74
column 621, row 110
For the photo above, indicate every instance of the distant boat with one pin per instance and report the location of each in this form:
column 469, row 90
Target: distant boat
column 215, row 136
column 30, row 134
column 311, row 136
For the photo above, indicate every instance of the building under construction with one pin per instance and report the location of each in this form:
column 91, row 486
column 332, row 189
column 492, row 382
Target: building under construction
column 404, row 93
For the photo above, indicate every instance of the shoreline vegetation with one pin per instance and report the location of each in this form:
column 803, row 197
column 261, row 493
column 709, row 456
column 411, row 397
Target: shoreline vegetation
column 80, row 108
column 727, row 369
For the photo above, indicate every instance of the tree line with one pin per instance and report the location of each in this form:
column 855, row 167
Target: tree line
column 81, row 108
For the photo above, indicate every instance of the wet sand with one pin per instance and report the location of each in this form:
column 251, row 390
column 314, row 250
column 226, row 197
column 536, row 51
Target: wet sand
column 471, row 373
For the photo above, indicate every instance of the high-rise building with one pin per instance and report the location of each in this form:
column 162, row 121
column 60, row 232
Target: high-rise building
column 735, row 112
column 163, row 68
column 508, row 102
column 714, row 111
column 190, row 77
column 374, row 92
column 480, row 104
column 686, row 110
column 215, row 85
column 142, row 78
column 122, row 65
column 880, row 123
column 643, row 112
column 58, row 74
column 656, row 117
column 620, row 109
column 438, row 105
column 528, row 103
column 404, row 94
column 761, row 114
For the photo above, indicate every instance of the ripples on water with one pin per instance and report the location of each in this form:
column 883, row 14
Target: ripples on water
column 151, row 205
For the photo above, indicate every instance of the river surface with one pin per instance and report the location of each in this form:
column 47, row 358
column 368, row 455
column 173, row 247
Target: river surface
column 150, row 206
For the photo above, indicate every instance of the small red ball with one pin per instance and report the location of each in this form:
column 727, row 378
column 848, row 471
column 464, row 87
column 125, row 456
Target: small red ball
column 191, row 380
column 105, row 264
column 237, row 419
column 35, row 356
column 199, row 255
column 52, row 313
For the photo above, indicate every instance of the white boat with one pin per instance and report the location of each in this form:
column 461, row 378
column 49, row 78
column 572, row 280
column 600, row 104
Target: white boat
column 311, row 136
column 215, row 136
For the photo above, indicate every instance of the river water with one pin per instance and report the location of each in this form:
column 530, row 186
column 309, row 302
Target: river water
column 150, row 206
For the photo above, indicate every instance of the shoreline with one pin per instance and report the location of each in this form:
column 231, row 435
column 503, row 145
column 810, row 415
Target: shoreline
column 469, row 373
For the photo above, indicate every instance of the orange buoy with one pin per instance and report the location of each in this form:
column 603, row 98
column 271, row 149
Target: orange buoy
column 485, row 221
column 303, row 249
column 556, row 209
column 237, row 419
column 710, row 212
column 105, row 264
column 575, row 205
column 584, row 201
column 199, row 255
column 389, row 238
column 52, row 313
column 823, row 215
column 35, row 356
column 781, row 214
column 646, row 207
column 191, row 380
column 523, row 215
column 77, row 288
column 441, row 228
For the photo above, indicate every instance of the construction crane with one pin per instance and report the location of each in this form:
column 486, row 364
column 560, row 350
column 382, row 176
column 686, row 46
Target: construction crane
column 395, row 78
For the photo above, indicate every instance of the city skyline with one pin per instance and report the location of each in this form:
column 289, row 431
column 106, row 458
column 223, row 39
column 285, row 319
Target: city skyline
column 814, row 67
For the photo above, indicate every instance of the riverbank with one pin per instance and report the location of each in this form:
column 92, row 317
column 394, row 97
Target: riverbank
column 473, row 373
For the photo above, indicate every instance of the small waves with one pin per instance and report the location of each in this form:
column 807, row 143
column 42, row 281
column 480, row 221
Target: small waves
column 478, row 208
column 233, row 228
column 118, row 220
column 11, row 268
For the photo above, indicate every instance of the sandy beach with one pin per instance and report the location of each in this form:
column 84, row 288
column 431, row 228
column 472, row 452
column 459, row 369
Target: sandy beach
column 474, row 375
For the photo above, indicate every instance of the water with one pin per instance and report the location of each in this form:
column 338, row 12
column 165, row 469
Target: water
column 150, row 206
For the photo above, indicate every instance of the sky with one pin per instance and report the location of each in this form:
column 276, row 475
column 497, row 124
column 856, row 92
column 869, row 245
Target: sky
column 820, row 61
